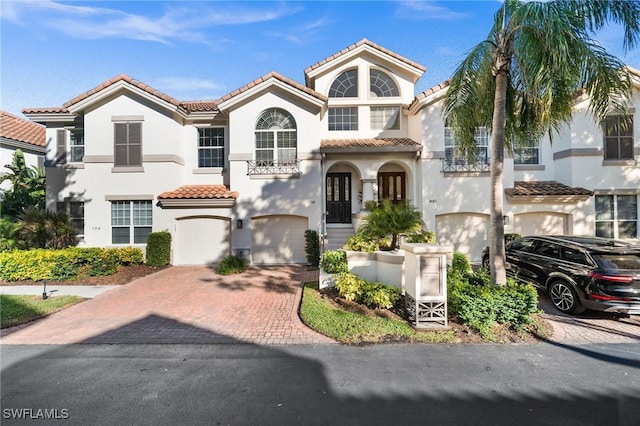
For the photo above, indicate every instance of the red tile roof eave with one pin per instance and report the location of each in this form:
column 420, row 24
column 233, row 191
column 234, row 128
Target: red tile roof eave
column 545, row 189
column 200, row 192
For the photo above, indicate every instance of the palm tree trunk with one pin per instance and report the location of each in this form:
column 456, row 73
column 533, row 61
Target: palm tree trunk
column 496, row 231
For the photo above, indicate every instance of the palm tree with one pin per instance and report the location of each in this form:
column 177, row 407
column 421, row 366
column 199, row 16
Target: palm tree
column 389, row 219
column 521, row 82
column 28, row 186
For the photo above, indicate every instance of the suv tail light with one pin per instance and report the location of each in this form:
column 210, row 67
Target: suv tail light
column 626, row 279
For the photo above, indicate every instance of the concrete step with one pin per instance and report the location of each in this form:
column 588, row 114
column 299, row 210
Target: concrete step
column 337, row 237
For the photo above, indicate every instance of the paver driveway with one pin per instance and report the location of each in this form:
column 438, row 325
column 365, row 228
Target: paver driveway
column 184, row 305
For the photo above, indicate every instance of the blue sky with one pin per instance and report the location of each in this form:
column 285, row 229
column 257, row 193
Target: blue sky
column 52, row 51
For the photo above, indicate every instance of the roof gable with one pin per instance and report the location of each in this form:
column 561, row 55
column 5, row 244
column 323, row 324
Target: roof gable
column 357, row 49
column 273, row 79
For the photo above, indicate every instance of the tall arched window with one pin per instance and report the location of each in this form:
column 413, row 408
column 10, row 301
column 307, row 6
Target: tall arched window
column 276, row 138
column 345, row 85
column 381, row 85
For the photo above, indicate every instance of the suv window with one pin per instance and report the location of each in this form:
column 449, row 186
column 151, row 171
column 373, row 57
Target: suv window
column 574, row 256
column 618, row 261
column 545, row 248
column 525, row 244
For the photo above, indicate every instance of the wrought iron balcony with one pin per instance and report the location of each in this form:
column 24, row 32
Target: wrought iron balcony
column 463, row 166
column 266, row 167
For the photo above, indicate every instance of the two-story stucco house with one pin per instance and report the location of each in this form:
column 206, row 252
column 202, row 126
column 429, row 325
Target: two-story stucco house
column 248, row 173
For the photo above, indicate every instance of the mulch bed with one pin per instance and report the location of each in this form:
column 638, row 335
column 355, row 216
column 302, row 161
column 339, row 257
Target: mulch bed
column 124, row 275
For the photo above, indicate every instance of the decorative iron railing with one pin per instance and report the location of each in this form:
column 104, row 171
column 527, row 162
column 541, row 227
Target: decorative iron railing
column 462, row 166
column 262, row 167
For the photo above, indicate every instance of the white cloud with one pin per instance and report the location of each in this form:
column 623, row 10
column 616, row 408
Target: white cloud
column 427, row 9
column 174, row 22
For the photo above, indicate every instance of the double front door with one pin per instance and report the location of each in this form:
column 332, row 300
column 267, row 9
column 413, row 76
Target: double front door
column 338, row 196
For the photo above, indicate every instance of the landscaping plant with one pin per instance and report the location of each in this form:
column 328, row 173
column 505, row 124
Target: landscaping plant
column 312, row 247
column 334, row 262
column 232, row 265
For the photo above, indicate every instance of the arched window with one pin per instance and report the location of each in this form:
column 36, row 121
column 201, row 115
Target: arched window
column 381, row 85
column 276, row 138
column 345, row 85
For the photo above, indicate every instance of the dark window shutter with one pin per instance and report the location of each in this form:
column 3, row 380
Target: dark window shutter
column 61, row 147
column 135, row 144
column 120, row 144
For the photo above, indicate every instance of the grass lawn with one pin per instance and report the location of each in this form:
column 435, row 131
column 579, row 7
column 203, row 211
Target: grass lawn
column 18, row 309
column 354, row 328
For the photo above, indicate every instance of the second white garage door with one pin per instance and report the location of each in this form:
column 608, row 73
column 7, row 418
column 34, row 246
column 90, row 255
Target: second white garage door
column 468, row 233
column 547, row 223
column 278, row 239
column 201, row 240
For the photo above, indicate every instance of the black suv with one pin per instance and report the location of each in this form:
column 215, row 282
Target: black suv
column 578, row 272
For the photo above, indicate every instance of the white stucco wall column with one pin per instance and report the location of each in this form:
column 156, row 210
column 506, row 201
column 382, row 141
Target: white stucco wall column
column 367, row 191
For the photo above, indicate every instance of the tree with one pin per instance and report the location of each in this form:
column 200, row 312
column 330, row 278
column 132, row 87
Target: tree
column 28, row 187
column 41, row 228
column 521, row 82
column 388, row 219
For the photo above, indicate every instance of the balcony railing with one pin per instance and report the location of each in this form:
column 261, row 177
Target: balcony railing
column 291, row 167
column 462, row 166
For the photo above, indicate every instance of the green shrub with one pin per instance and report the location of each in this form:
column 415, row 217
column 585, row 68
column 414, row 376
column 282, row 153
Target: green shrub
column 232, row 265
column 460, row 263
column 422, row 237
column 334, row 262
column 483, row 306
column 312, row 247
column 66, row 264
column 361, row 241
column 373, row 294
column 159, row 248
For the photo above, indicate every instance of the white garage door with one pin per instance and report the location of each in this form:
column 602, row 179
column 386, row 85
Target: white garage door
column 278, row 239
column 467, row 233
column 540, row 223
column 201, row 240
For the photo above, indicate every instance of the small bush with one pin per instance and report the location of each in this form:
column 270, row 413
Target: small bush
column 232, row 265
column 334, row 262
column 373, row 294
column 422, row 237
column 159, row 248
column 65, row 264
column 312, row 247
column 360, row 241
column 460, row 263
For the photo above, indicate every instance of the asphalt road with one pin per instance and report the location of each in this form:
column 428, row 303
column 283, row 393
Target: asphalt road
column 244, row 384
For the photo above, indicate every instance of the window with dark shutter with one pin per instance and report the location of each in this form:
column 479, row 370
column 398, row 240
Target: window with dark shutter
column 61, row 147
column 128, row 144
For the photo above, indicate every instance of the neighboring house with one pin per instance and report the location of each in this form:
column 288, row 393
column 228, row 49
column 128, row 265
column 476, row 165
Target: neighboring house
column 250, row 172
column 18, row 133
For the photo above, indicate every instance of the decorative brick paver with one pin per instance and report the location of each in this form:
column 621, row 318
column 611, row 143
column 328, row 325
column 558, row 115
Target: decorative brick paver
column 184, row 305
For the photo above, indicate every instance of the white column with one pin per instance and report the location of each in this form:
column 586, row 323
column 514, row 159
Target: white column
column 367, row 191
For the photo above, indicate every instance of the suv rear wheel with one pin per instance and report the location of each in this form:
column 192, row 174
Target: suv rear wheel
column 565, row 298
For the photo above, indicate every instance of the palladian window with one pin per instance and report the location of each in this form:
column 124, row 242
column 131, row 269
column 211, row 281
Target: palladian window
column 276, row 144
column 345, row 85
column 381, row 85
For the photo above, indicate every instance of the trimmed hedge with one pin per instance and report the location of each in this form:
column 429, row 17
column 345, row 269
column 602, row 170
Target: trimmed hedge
column 312, row 247
column 159, row 248
column 66, row 264
column 232, row 265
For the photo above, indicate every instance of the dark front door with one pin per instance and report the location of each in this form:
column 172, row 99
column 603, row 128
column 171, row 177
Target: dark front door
column 392, row 186
column 338, row 188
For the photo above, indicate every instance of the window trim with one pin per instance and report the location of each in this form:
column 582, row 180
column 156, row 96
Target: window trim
column 331, row 119
column 618, row 137
column 131, row 225
column 454, row 163
column 338, row 88
column 397, row 122
column 373, row 95
column 218, row 147
column 615, row 220
column 532, row 145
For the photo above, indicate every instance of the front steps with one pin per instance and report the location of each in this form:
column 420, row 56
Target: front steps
column 337, row 236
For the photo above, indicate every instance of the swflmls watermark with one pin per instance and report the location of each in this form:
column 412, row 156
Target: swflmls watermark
column 35, row 413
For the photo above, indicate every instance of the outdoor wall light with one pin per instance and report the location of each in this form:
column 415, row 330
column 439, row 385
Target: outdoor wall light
column 505, row 220
column 239, row 224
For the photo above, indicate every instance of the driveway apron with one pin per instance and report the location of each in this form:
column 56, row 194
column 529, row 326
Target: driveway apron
column 184, row 304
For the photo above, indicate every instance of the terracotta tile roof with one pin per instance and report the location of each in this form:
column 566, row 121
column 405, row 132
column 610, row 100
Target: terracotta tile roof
column 199, row 106
column 266, row 77
column 21, row 130
column 45, row 110
column 114, row 80
column 368, row 143
column 544, row 188
column 199, row 192
column 428, row 92
column 358, row 44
